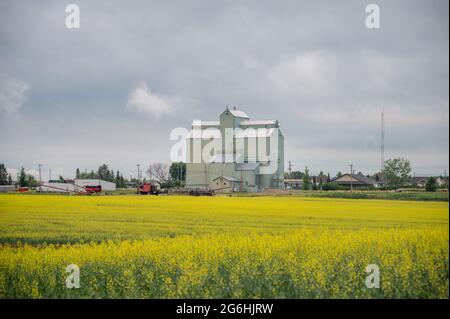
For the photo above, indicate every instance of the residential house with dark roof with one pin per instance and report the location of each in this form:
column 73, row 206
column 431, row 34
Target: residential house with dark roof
column 356, row 181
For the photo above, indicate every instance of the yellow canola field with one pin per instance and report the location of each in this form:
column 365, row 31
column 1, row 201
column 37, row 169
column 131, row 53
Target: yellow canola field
column 176, row 247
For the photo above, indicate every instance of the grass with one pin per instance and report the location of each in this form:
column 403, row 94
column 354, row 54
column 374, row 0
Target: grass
column 248, row 247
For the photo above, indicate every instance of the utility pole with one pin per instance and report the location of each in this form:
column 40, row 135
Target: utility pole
column 290, row 176
column 49, row 174
column 40, row 178
column 150, row 173
column 351, row 180
column 138, row 176
column 290, row 169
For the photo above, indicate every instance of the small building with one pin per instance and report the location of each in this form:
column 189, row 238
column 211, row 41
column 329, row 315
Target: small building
column 7, row 188
column 226, row 184
column 291, row 183
column 358, row 181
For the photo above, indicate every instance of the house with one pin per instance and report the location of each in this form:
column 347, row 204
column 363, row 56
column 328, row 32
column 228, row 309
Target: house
column 354, row 180
column 441, row 181
column 293, row 183
column 418, row 181
column 226, row 184
column 250, row 151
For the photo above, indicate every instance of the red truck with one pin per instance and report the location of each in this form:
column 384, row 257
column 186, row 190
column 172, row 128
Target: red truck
column 148, row 189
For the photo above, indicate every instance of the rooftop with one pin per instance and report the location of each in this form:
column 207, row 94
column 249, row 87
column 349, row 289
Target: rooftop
column 238, row 113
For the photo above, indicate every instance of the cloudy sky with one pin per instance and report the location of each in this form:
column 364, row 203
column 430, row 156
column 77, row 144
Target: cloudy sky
column 111, row 91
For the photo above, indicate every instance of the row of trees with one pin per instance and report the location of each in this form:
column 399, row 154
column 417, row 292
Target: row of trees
column 23, row 179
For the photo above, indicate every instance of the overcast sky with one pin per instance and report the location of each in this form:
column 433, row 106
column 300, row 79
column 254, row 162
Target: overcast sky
column 111, row 91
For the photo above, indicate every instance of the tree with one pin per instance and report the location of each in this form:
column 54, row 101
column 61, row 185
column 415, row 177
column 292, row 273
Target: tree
column 339, row 174
column 160, row 172
column 431, row 185
column 119, row 180
column 103, row 172
column 177, row 172
column 3, row 175
column 77, row 174
column 396, row 172
column 22, row 177
column 306, row 180
column 31, row 181
column 321, row 176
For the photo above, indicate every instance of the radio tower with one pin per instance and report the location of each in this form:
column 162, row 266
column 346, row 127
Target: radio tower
column 382, row 141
